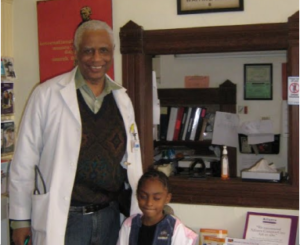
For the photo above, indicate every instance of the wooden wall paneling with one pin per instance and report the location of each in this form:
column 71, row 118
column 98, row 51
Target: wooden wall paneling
column 137, row 78
column 293, row 70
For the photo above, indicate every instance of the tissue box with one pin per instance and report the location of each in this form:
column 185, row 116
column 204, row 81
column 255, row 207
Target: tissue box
column 261, row 176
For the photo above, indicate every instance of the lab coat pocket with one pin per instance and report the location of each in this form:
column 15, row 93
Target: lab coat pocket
column 40, row 212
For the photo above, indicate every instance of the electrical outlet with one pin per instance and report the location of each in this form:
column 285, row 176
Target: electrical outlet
column 242, row 109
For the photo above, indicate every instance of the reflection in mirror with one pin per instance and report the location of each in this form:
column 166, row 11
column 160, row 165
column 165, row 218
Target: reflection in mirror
column 172, row 69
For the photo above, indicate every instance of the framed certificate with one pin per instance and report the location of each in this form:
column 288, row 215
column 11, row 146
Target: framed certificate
column 258, row 84
column 271, row 229
column 204, row 6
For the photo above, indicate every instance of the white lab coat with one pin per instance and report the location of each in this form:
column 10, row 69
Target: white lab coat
column 50, row 137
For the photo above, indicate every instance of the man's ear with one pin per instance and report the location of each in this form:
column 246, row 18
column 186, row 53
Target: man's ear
column 74, row 51
column 75, row 55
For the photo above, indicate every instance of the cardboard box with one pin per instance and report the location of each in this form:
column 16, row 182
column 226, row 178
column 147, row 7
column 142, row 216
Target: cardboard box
column 210, row 240
column 217, row 233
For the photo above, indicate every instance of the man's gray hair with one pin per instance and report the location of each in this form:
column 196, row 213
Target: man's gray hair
column 91, row 25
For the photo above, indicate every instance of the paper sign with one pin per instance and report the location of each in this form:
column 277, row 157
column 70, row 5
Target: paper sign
column 293, row 90
column 271, row 229
column 225, row 129
column 196, row 82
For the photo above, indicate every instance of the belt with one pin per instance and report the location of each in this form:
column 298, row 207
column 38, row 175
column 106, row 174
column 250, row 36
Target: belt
column 88, row 209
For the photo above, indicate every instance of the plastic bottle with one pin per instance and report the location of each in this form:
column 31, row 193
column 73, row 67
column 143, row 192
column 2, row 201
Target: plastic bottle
column 225, row 164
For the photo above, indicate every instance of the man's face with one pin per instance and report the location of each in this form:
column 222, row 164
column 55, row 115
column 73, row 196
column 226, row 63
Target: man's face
column 95, row 55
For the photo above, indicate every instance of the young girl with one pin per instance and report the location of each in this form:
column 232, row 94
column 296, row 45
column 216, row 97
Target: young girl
column 154, row 227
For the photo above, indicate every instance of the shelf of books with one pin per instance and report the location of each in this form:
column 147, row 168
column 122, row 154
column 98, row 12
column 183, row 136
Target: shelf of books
column 8, row 77
column 187, row 122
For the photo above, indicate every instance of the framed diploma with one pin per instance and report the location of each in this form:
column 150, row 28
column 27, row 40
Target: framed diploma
column 271, row 229
column 204, row 6
column 258, row 84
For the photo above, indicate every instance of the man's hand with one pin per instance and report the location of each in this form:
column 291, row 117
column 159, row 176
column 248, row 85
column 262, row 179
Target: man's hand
column 19, row 235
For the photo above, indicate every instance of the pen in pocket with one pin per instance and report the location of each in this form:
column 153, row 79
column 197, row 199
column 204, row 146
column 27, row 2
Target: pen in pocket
column 26, row 240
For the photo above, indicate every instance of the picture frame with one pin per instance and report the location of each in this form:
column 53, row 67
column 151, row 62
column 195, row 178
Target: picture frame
column 258, row 81
column 204, row 6
column 271, row 229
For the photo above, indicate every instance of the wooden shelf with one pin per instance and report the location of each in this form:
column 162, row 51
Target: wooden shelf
column 233, row 192
column 222, row 98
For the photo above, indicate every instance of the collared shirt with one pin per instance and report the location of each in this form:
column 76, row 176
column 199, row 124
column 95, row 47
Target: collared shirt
column 92, row 101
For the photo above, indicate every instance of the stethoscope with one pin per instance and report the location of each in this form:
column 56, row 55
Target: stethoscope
column 37, row 173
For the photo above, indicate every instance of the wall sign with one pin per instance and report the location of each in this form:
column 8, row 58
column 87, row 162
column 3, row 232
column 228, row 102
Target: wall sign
column 271, row 229
column 57, row 22
column 258, row 82
column 293, row 90
column 208, row 6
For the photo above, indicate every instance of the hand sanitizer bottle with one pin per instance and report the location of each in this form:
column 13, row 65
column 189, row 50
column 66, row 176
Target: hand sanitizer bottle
column 224, row 164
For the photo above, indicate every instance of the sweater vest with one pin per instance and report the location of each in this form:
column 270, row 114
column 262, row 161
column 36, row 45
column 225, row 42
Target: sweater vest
column 100, row 176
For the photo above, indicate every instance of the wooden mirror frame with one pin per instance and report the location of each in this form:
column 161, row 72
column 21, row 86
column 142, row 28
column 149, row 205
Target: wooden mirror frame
column 139, row 46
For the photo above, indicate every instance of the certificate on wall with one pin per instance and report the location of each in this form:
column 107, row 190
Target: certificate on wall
column 271, row 229
column 258, row 82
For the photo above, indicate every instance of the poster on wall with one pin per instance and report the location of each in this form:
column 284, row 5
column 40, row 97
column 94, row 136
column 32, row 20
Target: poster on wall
column 57, row 22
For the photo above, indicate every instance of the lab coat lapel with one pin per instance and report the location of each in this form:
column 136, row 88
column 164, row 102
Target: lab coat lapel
column 69, row 95
column 118, row 95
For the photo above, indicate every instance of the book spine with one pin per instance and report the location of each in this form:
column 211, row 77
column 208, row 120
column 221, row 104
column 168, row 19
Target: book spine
column 164, row 121
column 203, row 128
column 172, row 122
column 183, row 121
column 186, row 123
column 201, row 119
column 195, row 123
column 190, row 124
column 178, row 122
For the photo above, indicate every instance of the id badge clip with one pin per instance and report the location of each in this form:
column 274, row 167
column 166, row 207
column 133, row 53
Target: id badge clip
column 135, row 144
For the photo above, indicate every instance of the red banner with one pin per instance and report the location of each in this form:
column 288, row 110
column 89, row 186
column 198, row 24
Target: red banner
column 57, row 22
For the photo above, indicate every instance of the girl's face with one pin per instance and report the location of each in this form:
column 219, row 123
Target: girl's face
column 152, row 197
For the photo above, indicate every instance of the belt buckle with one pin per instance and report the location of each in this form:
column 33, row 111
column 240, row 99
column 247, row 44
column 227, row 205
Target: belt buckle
column 87, row 210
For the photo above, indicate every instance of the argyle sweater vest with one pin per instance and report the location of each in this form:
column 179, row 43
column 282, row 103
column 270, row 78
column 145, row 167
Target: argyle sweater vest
column 99, row 175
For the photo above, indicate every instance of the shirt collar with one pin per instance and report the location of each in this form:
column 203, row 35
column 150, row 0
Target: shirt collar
column 108, row 87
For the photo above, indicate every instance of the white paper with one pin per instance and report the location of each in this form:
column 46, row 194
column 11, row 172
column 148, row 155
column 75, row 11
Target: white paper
column 258, row 139
column 260, row 131
column 237, row 241
column 156, row 103
column 249, row 160
column 225, row 129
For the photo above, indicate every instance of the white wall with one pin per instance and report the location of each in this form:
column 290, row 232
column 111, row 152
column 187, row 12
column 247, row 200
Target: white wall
column 154, row 14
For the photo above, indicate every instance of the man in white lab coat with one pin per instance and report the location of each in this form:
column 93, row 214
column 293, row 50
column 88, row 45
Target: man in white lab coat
column 77, row 146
